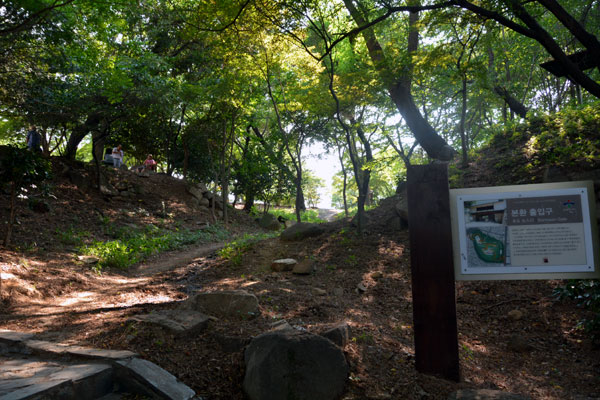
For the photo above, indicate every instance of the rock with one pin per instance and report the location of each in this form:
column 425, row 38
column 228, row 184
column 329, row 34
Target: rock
column 515, row 315
column 361, row 288
column 402, row 208
column 285, row 264
column 484, row 394
column 305, row 267
column 318, row 291
column 301, row 231
column 181, row 322
column 193, row 190
column 88, row 260
column 340, row 334
column 228, row 303
column 291, row 364
column 144, row 377
column 108, row 191
column 366, row 220
column 338, row 291
column 269, row 221
column 281, row 325
column 204, row 202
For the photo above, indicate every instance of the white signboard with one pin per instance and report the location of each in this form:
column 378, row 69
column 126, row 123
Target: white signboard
column 544, row 231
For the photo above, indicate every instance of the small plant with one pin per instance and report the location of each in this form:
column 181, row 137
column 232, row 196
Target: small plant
column 587, row 295
column 131, row 246
column 234, row 250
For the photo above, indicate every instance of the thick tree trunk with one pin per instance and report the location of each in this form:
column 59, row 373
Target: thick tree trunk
column 400, row 93
column 80, row 131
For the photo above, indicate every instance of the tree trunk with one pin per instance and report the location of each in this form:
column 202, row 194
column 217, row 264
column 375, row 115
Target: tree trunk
column 80, row 131
column 461, row 124
column 13, row 209
column 248, row 202
column 400, row 93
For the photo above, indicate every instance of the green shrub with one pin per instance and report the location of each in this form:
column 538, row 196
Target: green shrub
column 587, row 295
column 133, row 246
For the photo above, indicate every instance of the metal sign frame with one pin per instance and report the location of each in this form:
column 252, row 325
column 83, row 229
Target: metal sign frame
column 540, row 231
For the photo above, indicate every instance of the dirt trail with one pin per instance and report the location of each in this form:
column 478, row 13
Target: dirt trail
column 173, row 260
column 109, row 294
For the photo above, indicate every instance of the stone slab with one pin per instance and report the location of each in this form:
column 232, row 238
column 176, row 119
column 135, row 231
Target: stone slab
column 145, row 377
column 13, row 336
column 34, row 378
column 182, row 322
column 86, row 352
column 35, row 391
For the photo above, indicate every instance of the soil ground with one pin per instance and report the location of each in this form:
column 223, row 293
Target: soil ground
column 513, row 335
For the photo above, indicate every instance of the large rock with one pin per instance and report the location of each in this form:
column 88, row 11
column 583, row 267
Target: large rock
column 270, row 222
column 227, row 303
column 197, row 190
column 301, row 231
column 289, row 364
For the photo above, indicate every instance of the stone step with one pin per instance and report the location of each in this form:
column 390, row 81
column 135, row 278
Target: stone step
column 35, row 378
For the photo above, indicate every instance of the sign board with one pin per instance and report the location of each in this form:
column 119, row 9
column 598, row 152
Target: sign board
column 544, row 231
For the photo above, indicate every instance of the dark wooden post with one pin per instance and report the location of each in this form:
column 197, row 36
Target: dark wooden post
column 434, row 304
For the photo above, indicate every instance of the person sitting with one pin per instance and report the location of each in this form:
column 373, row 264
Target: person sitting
column 117, row 156
column 149, row 164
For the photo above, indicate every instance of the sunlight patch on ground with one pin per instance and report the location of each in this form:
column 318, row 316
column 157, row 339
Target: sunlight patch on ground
column 85, row 297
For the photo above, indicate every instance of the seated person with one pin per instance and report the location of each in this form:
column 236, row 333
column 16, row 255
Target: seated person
column 149, row 164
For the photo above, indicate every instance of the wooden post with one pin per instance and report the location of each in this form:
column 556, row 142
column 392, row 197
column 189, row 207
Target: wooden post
column 434, row 303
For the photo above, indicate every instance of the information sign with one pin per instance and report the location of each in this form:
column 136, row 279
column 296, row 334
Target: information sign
column 545, row 231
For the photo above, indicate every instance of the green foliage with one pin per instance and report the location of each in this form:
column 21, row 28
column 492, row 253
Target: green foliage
column 290, row 215
column 20, row 169
column 587, row 295
column 132, row 247
column 71, row 237
column 567, row 139
column 234, row 250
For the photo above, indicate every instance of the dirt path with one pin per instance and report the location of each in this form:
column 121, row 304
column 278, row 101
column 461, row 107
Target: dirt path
column 111, row 295
column 174, row 260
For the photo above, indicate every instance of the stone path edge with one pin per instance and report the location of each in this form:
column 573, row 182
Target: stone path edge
column 157, row 383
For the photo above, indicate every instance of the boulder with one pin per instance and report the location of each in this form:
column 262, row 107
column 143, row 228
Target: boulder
column 269, row 221
column 195, row 191
column 301, row 231
column 227, row 303
column 289, row 364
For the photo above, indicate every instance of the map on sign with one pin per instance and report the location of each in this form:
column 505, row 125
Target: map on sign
column 524, row 232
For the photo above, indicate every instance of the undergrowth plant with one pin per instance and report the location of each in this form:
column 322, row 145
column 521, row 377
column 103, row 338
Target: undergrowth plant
column 587, row 295
column 290, row 215
column 234, row 250
column 134, row 246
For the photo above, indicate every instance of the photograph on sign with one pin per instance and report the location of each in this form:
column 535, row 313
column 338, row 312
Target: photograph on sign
column 523, row 231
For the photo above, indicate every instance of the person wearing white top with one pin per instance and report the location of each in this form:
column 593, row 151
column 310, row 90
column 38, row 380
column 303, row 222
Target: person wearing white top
column 117, row 156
